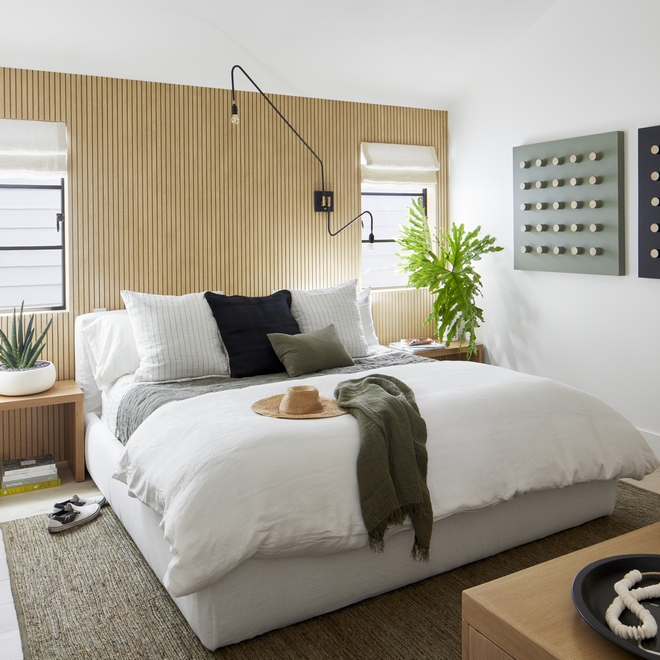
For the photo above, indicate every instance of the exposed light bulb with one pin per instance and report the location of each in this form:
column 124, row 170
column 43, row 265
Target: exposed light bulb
column 235, row 119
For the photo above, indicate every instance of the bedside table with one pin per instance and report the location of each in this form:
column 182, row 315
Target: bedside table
column 452, row 352
column 64, row 392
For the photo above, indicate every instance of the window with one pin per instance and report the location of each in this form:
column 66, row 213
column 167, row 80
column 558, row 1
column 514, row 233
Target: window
column 389, row 208
column 32, row 221
column 32, row 243
column 393, row 175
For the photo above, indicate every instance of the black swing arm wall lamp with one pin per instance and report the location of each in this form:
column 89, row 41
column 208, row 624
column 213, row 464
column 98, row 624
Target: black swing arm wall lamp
column 323, row 199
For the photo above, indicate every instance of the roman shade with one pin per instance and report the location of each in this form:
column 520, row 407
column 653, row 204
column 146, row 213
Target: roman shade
column 398, row 163
column 32, row 147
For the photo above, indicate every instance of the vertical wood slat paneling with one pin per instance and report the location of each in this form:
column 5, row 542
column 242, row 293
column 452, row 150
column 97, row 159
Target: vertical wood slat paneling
column 165, row 195
column 400, row 313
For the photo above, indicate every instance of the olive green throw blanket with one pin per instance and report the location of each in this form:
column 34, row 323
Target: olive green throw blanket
column 392, row 462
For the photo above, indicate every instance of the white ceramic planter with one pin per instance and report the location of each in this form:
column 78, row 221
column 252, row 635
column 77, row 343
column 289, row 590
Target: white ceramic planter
column 28, row 381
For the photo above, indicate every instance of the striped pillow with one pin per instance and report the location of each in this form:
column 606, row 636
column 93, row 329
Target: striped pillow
column 337, row 305
column 177, row 337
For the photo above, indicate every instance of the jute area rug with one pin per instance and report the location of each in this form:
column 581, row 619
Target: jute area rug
column 88, row 594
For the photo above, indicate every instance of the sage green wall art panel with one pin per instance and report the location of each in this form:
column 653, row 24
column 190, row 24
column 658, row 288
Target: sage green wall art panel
column 568, row 205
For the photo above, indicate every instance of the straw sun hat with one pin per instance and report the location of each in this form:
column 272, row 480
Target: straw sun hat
column 299, row 402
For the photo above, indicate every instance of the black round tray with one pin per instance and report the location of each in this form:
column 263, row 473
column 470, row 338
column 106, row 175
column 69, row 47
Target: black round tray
column 593, row 592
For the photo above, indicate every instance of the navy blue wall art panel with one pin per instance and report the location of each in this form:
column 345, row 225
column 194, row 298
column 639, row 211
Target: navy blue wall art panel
column 648, row 154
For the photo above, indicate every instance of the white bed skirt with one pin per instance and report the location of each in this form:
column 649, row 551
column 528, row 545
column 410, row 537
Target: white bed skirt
column 263, row 594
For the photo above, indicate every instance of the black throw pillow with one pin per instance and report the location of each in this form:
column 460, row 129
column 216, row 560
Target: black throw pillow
column 244, row 324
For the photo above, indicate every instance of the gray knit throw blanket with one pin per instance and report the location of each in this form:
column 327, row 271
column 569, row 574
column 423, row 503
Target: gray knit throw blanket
column 392, row 462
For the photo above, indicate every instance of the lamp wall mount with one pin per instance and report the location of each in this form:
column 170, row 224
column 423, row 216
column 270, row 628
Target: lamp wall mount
column 324, row 201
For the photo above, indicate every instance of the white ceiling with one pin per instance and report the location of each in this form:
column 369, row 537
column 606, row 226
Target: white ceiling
column 417, row 53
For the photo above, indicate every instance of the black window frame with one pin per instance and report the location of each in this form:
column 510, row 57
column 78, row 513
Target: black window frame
column 60, row 224
column 394, row 194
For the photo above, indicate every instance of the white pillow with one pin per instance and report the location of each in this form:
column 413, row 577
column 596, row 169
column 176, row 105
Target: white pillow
column 318, row 308
column 176, row 336
column 364, row 305
column 111, row 348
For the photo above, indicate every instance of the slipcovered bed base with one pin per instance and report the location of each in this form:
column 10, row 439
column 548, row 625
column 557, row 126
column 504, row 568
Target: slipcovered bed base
column 264, row 594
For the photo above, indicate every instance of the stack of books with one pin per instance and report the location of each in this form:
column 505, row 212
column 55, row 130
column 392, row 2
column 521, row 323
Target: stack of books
column 419, row 345
column 25, row 474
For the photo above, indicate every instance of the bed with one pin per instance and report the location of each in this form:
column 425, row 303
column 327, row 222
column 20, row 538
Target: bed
column 560, row 455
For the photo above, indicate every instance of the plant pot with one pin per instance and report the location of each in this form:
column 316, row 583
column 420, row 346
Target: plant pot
column 21, row 382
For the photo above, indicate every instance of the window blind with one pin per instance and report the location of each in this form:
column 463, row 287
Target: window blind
column 398, row 163
column 32, row 148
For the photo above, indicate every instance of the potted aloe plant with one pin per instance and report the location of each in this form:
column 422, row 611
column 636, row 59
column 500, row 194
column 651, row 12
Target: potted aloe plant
column 449, row 274
column 21, row 373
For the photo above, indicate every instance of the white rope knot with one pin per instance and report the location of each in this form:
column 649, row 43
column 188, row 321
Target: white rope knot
column 630, row 599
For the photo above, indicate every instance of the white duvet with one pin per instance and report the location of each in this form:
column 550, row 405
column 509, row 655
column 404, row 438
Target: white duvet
column 231, row 484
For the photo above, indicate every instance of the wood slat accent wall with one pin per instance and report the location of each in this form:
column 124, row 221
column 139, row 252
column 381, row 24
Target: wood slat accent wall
column 166, row 196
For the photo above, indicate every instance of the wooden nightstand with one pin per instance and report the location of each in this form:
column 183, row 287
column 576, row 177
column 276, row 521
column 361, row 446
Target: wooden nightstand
column 530, row 615
column 454, row 352
column 63, row 392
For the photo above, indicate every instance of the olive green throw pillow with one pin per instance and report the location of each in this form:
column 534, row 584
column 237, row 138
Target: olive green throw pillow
column 310, row 351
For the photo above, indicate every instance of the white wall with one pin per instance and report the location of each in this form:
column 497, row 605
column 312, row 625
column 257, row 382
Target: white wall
column 586, row 67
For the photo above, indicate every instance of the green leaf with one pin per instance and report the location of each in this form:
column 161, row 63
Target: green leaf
column 14, row 343
column 7, row 359
column 28, row 337
column 31, row 356
column 20, row 330
column 28, row 330
column 43, row 334
column 5, row 341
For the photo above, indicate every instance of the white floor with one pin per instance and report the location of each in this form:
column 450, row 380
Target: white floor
column 24, row 505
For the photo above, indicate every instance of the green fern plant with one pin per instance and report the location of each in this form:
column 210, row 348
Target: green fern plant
column 21, row 352
column 449, row 274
